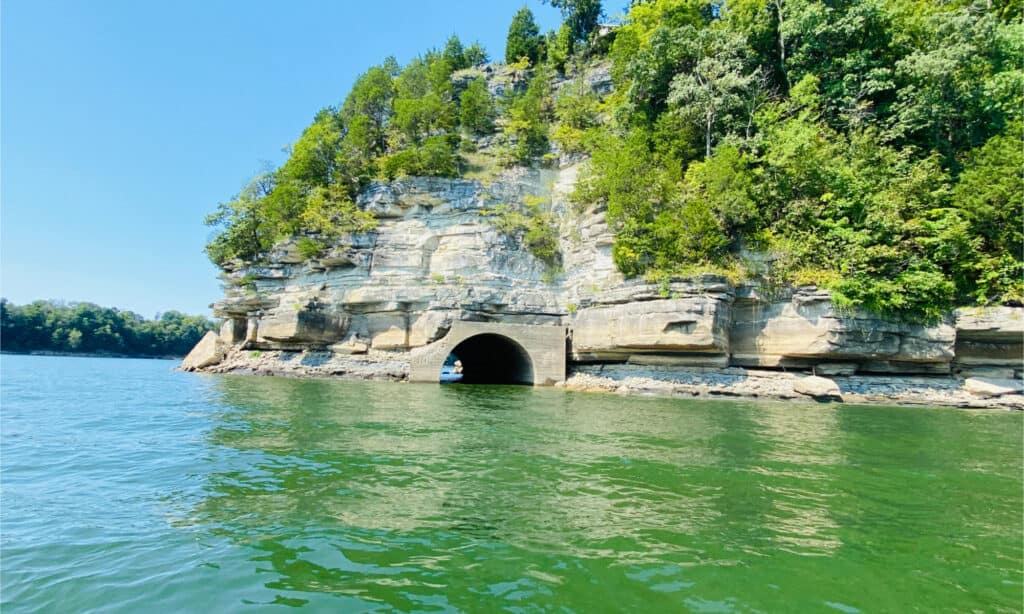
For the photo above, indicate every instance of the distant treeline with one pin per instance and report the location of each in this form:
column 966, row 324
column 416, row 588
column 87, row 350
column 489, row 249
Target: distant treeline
column 47, row 326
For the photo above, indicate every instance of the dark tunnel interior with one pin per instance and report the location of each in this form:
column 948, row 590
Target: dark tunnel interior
column 492, row 359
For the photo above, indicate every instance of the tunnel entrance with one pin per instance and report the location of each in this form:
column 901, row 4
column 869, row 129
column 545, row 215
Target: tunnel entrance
column 488, row 359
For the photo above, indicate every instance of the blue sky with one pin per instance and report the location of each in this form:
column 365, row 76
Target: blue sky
column 123, row 123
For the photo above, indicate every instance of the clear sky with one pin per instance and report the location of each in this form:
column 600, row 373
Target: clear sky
column 123, row 123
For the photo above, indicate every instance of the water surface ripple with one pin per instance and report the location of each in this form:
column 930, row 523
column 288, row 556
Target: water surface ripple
column 125, row 485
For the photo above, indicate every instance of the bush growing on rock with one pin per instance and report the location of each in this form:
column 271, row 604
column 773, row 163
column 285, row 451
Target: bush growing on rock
column 535, row 225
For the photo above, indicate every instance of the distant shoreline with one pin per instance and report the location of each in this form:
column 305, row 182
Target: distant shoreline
column 89, row 355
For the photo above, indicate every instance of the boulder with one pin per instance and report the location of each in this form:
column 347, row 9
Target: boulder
column 430, row 326
column 985, row 387
column 210, row 351
column 820, row 388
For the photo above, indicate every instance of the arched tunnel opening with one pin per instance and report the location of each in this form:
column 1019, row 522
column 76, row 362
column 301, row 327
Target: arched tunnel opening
column 488, row 359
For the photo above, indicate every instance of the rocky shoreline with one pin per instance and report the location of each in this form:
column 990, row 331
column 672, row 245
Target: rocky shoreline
column 755, row 384
column 642, row 380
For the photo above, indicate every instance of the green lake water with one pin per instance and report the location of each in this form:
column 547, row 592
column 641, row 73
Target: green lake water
column 128, row 487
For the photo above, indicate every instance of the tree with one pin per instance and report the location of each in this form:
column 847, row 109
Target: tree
column 528, row 119
column 576, row 109
column 848, row 46
column 523, row 38
column 455, row 55
column 961, row 85
column 716, row 84
column 475, row 54
column 559, row 47
column 244, row 231
column 625, row 175
column 372, row 96
column 476, row 108
column 725, row 182
column 989, row 194
column 582, row 16
column 422, row 106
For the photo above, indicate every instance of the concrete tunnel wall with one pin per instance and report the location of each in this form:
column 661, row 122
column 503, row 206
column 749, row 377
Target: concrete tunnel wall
column 521, row 348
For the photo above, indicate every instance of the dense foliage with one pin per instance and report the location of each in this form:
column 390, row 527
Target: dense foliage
column 91, row 329
column 870, row 147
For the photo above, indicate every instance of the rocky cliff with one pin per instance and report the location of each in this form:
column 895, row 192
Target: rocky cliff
column 437, row 257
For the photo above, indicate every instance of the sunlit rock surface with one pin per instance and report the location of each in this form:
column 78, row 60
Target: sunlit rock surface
column 437, row 257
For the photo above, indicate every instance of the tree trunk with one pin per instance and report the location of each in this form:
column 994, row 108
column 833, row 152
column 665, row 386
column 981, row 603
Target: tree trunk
column 707, row 137
column 782, row 44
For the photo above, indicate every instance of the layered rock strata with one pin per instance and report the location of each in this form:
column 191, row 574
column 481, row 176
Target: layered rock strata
column 438, row 257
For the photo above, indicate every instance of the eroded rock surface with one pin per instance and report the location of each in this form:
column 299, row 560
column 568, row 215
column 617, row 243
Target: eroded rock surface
column 437, row 258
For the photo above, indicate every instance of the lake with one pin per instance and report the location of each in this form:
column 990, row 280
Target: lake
column 127, row 487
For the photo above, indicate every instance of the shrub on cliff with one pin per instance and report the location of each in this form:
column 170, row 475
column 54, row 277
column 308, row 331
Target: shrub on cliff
column 534, row 225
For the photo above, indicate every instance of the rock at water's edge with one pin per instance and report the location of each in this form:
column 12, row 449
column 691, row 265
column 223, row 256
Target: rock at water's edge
column 985, row 387
column 820, row 388
column 209, row 351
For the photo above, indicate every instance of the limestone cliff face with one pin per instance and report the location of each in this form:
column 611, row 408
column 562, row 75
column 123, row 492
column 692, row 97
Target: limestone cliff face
column 437, row 257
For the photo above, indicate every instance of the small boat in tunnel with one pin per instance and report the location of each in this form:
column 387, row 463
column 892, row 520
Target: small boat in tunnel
column 451, row 370
column 488, row 359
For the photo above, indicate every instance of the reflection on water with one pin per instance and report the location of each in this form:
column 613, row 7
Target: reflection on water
column 451, row 496
column 128, row 487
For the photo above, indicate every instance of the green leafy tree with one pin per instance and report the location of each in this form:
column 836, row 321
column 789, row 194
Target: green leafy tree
column 961, row 85
column 716, row 84
column 576, row 109
column 635, row 187
column 989, row 193
column 726, row 184
column 244, row 232
column 436, row 157
column 372, row 96
column 559, row 47
column 847, row 46
column 476, row 108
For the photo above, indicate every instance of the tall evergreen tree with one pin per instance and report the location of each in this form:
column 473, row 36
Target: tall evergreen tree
column 523, row 38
